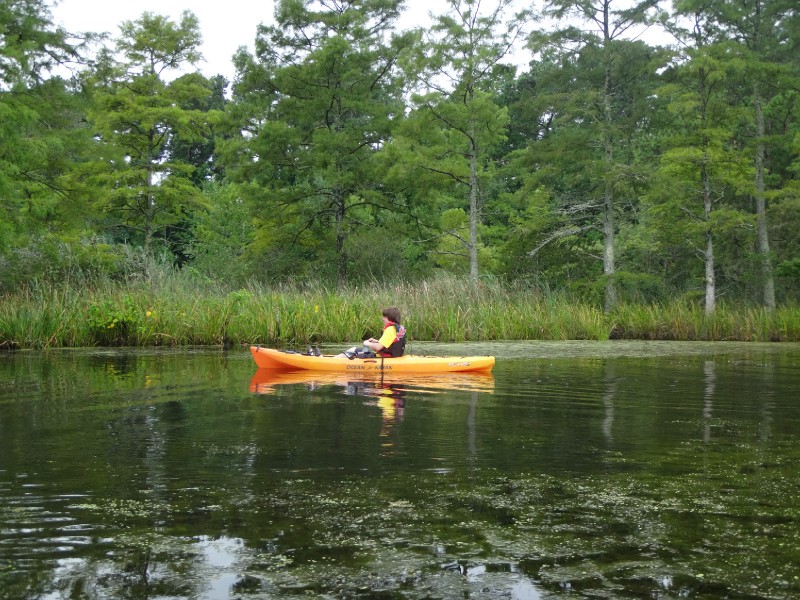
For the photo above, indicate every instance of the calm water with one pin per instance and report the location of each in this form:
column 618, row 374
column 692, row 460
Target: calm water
column 582, row 469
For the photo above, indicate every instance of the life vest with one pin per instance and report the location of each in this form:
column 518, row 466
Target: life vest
column 398, row 346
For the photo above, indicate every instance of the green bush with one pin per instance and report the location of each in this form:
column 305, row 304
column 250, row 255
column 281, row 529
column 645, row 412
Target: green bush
column 51, row 259
column 114, row 322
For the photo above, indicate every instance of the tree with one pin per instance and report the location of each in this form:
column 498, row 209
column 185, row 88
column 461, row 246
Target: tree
column 587, row 169
column 763, row 32
column 41, row 130
column 598, row 101
column 201, row 152
column 137, row 114
column 316, row 104
column 457, row 119
column 701, row 164
column 31, row 46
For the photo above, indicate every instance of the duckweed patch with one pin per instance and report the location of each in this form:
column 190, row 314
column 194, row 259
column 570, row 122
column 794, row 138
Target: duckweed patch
column 355, row 538
column 127, row 512
column 603, row 535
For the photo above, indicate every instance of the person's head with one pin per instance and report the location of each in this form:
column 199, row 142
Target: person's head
column 392, row 313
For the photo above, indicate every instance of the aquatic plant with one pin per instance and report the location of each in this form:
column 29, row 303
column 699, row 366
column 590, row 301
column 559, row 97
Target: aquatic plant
column 183, row 311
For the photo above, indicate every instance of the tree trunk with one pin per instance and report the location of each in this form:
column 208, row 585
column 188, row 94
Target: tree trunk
column 149, row 219
column 711, row 283
column 148, row 228
column 608, row 251
column 708, row 205
column 609, row 268
column 340, row 241
column 474, row 209
column 761, row 205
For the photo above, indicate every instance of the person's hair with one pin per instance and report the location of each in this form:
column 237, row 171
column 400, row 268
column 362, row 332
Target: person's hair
column 392, row 313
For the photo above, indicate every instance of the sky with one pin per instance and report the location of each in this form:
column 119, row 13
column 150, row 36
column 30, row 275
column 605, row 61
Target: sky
column 225, row 24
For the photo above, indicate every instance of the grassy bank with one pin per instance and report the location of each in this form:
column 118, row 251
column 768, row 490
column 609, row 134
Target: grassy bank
column 175, row 311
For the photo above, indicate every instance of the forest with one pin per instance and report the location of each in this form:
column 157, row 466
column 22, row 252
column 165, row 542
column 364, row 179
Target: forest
column 346, row 152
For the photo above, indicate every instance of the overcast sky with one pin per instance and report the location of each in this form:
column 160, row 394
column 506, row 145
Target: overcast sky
column 225, row 24
column 228, row 24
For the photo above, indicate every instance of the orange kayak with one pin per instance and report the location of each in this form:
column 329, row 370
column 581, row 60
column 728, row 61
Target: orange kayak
column 268, row 358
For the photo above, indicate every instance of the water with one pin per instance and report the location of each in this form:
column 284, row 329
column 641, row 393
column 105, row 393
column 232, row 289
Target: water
column 582, row 469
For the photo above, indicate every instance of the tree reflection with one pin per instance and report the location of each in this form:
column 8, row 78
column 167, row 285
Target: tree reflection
column 710, row 372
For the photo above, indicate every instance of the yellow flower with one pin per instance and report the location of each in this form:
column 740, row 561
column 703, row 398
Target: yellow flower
column 149, row 313
column 316, row 308
column 111, row 326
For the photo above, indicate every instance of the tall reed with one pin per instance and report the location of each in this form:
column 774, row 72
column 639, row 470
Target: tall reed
column 180, row 311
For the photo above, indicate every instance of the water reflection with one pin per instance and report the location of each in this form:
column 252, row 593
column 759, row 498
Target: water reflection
column 609, row 394
column 709, row 371
column 391, row 400
column 156, row 567
column 524, row 590
column 269, row 381
column 384, row 391
column 220, row 555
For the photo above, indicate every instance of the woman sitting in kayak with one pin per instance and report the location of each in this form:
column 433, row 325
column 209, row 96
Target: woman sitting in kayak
column 392, row 342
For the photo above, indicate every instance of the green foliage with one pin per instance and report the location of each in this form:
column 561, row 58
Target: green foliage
column 450, row 138
column 640, row 288
column 593, row 90
column 789, row 268
column 41, row 129
column 114, row 321
column 318, row 99
column 43, row 139
column 785, row 220
column 76, row 260
column 30, row 44
column 137, row 114
column 220, row 236
column 707, row 171
column 153, row 44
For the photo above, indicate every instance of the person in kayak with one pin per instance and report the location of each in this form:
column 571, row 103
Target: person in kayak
column 392, row 342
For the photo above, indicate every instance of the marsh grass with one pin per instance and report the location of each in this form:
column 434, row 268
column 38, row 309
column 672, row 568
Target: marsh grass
column 179, row 311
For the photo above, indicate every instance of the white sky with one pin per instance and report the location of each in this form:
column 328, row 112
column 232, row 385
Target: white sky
column 226, row 24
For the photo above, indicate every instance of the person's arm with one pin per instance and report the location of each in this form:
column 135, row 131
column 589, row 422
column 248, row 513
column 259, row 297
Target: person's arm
column 373, row 344
column 389, row 334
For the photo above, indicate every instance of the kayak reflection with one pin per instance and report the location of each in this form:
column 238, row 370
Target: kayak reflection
column 390, row 398
column 387, row 392
column 267, row 381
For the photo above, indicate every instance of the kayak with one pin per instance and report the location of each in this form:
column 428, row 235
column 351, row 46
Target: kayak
column 268, row 358
column 266, row 381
